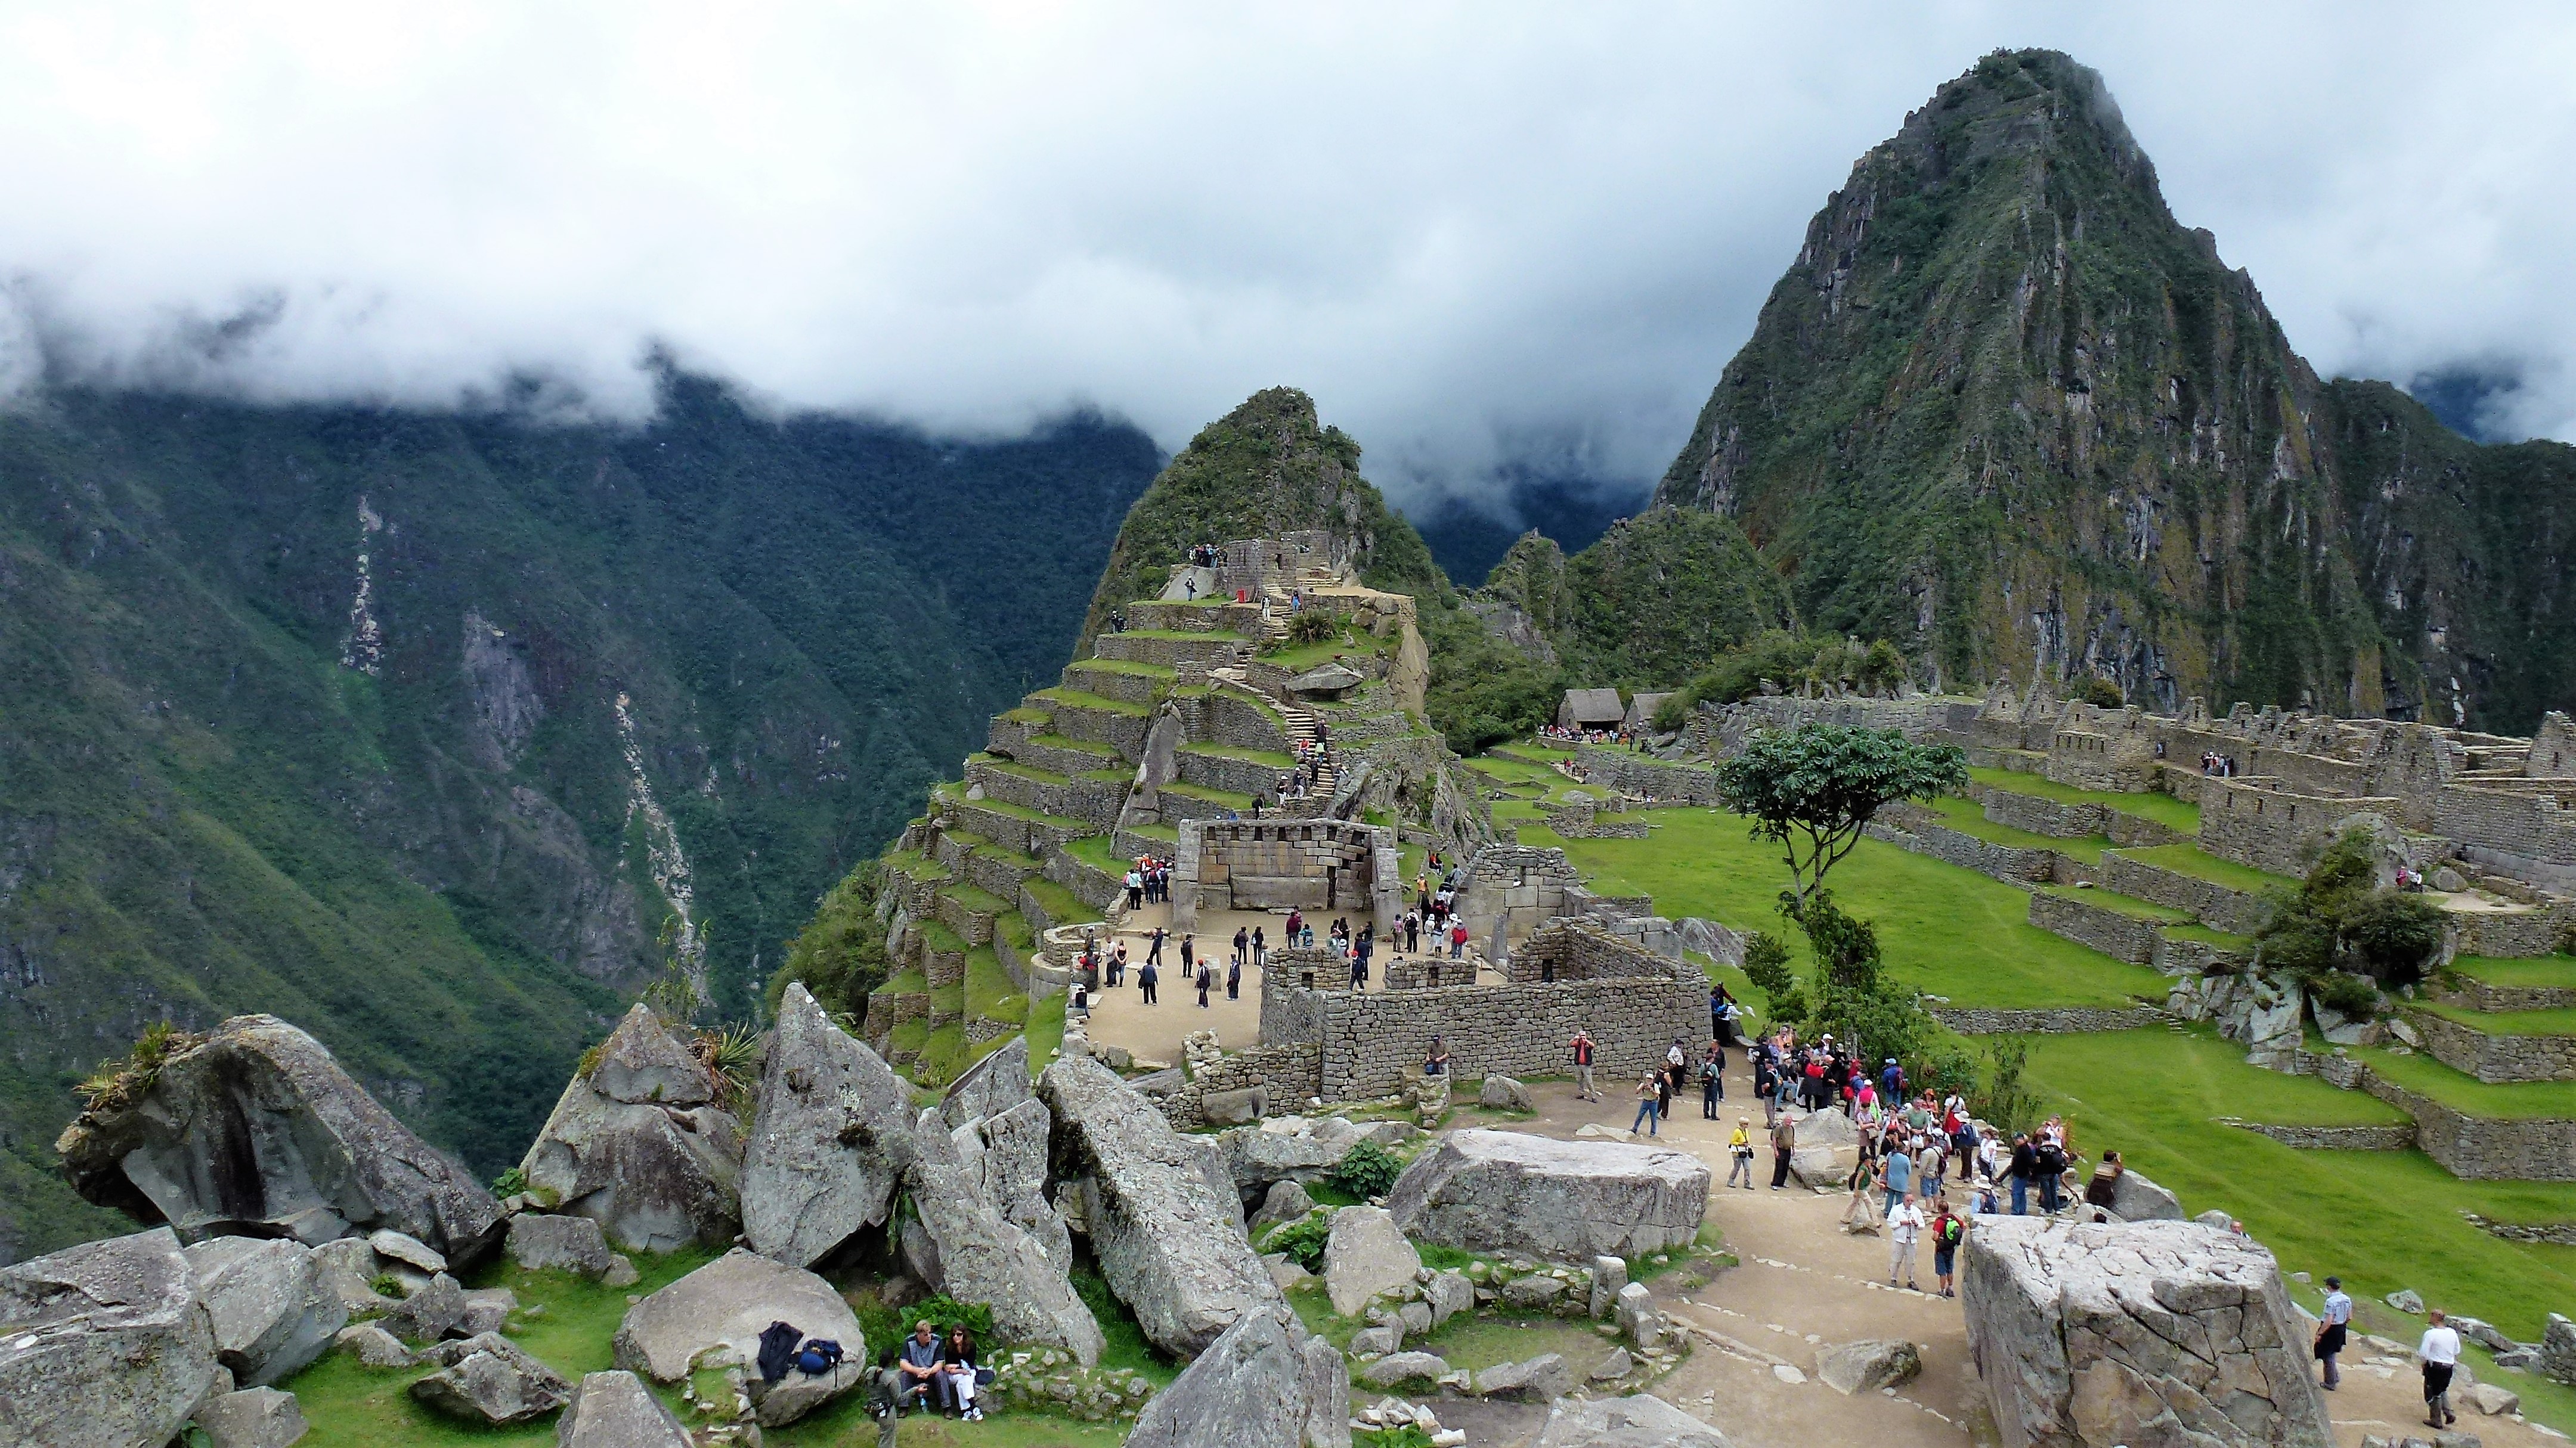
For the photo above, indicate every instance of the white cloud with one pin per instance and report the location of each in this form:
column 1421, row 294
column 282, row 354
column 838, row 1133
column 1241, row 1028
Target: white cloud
column 1470, row 229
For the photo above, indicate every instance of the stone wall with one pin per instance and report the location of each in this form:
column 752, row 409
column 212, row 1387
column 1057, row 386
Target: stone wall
column 1630, row 772
column 2511, row 932
column 2469, row 1147
column 1571, row 950
column 1720, row 730
column 2113, row 749
column 1373, row 1042
column 1229, row 715
column 2478, row 995
column 1587, row 822
column 2336, row 1138
column 1288, row 1074
column 2215, row 906
column 2119, row 936
column 1314, row 864
column 2009, row 863
column 1518, row 888
column 2256, row 822
column 2051, row 1021
column 2494, row 1058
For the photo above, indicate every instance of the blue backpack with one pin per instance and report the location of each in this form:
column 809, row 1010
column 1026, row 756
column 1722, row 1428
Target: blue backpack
column 818, row 1356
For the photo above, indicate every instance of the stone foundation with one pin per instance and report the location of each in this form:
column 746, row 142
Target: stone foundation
column 2049, row 1021
column 2119, row 936
column 2494, row 1058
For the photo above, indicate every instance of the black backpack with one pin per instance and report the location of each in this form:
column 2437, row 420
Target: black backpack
column 818, row 1357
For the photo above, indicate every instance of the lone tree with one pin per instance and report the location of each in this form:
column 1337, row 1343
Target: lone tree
column 1814, row 789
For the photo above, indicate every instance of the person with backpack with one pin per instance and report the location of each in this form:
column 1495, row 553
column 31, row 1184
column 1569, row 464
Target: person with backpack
column 1712, row 1083
column 1949, row 1229
column 2052, row 1173
column 885, row 1394
column 1146, row 979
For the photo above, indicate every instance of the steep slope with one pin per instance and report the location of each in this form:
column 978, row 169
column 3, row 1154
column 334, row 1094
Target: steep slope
column 423, row 729
column 2005, row 410
column 1651, row 603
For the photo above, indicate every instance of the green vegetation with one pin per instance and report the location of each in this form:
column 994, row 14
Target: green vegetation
column 2509, row 1023
column 1789, row 662
column 2128, row 905
column 1079, row 701
column 2178, row 815
column 1968, row 818
column 2544, row 970
column 1302, row 1240
column 2518, row 1100
column 1367, row 1170
column 1812, row 790
column 2342, row 937
column 2200, row 865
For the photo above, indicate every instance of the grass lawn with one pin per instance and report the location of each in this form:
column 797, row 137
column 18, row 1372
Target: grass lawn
column 1965, row 816
column 939, row 937
column 1090, row 703
column 2174, row 814
column 2382, row 1219
column 2519, row 1100
column 1131, row 666
column 1951, row 931
column 2557, row 970
column 1013, row 767
column 2241, row 944
column 1269, row 757
column 2200, row 865
column 1095, row 851
column 1531, row 749
column 977, row 901
column 1078, row 746
column 1045, row 1031
column 2509, row 1023
column 1060, row 904
column 1241, row 803
column 911, row 982
column 990, row 994
column 2129, row 905
column 1184, row 635
column 1014, row 927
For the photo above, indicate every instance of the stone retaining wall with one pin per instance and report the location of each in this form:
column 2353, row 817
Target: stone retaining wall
column 2494, row 1059
column 2048, row 1021
column 2119, row 936
column 2254, row 822
column 1586, row 822
column 2469, row 1147
column 997, row 872
column 2009, row 863
column 1374, row 1042
column 1089, row 883
column 2176, row 956
column 1095, row 802
column 1229, row 715
column 2039, row 815
column 1123, row 685
column 1629, row 772
column 2520, row 933
column 2478, row 995
column 1171, row 653
column 974, row 926
column 2215, row 906
column 1120, row 731
column 1220, row 771
column 1290, row 1074
column 2336, row 1138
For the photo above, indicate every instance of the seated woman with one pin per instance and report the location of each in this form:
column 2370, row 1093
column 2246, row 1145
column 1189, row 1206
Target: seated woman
column 957, row 1375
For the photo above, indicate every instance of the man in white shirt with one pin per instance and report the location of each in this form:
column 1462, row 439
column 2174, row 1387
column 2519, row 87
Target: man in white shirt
column 2333, row 1325
column 1904, row 1224
column 2440, row 1352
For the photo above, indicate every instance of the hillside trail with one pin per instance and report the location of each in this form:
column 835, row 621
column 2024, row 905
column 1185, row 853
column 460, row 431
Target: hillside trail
column 1804, row 1284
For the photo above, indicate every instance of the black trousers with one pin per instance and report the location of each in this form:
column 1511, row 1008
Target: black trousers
column 1148, row 989
column 1779, row 1167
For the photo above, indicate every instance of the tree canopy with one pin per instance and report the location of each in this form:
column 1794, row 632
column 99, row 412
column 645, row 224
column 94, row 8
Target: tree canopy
column 1814, row 789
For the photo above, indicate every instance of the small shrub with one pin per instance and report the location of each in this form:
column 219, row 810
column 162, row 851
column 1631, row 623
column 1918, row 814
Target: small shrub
column 1368, row 1169
column 2348, row 995
column 510, row 1183
column 1302, row 1240
column 948, row 1312
column 116, row 1085
column 731, row 1055
column 386, row 1284
column 1310, row 626
column 2101, row 694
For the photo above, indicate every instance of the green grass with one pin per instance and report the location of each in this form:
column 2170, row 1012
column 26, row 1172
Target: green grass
column 2129, row 905
column 1269, row 757
column 2200, row 865
column 1013, row 767
column 1039, row 817
column 2557, row 970
column 1946, row 930
column 1045, row 1031
column 2181, row 816
column 1226, row 797
column 2240, row 944
column 1965, row 816
column 936, row 936
column 1060, row 904
column 1027, row 714
column 1095, row 851
column 1532, row 750
column 916, row 866
column 1185, row 635
column 943, row 1055
column 2519, row 1100
column 2507, row 1023
column 912, row 1035
column 911, row 982
column 2383, row 1220
column 1131, row 666
column 990, row 993
column 1078, row 746
column 977, row 901
column 1076, row 699
column 1015, row 928
column 1167, row 834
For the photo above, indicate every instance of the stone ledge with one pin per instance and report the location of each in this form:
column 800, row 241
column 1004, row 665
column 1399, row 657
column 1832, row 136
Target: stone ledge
column 2048, row 1020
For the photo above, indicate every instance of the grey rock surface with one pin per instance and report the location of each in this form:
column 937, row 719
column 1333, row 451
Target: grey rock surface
column 1400, row 1369
column 429, row 1314
column 1364, row 1256
column 990, row 1087
column 984, row 1258
column 820, row 1165
column 2138, row 1199
column 1566, row 1200
column 778, row 1404
column 2405, row 1299
column 1008, row 1153
column 640, row 1147
column 726, row 1304
column 408, row 1250
column 1632, row 1422
column 1641, row 1323
column 323, row 1157
column 1301, row 1149
column 1618, row 1364
column 491, row 1380
column 1868, row 1365
column 543, row 1242
column 347, row 1269
column 271, row 1311
column 1261, row 1384
column 615, row 1410
column 486, row 1310
column 373, row 1346
column 252, row 1418
column 1377, row 1341
column 1502, row 1093
column 1542, row 1379
column 103, row 1345
column 1286, row 1202
column 1609, row 1274
column 2557, row 1356
column 1164, row 1221
column 2101, row 1335
column 1449, row 1294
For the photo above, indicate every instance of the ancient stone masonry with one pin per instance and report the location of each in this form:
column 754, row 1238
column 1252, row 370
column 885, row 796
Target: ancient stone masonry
column 2260, row 823
column 2336, row 1138
column 2047, row 1021
column 1319, row 866
column 1921, row 833
column 2119, row 936
column 2494, row 1057
column 2215, row 906
column 2469, row 1147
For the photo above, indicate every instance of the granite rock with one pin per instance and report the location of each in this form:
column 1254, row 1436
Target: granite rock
column 1868, row 1365
column 820, row 1166
column 725, row 1305
column 640, row 1146
column 1565, row 1200
column 103, row 1345
column 1631, row 1422
column 1262, row 1383
column 616, row 1410
column 251, row 1418
column 1365, row 1255
column 271, row 1310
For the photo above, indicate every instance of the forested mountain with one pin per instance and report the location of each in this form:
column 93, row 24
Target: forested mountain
column 2007, row 412
column 439, row 733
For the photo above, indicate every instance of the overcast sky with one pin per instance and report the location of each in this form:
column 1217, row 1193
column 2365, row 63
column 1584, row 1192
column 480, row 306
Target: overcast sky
column 1477, row 232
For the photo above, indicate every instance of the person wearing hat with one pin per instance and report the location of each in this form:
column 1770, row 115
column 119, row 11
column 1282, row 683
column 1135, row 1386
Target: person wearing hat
column 1891, row 1082
column 2333, row 1324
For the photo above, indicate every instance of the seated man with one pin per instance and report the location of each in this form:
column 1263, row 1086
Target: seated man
column 920, row 1365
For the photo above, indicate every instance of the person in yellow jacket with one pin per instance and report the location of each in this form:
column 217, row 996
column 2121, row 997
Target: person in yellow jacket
column 1739, row 1150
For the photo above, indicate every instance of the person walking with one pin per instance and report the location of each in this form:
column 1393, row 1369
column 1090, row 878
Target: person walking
column 2334, row 1324
column 1765, row 1086
column 1649, row 1092
column 1154, row 948
column 1189, row 956
column 1583, row 1065
column 1904, row 1225
column 2440, row 1353
column 2025, row 1165
column 1712, row 1076
column 1146, row 977
column 1784, row 1140
column 1896, row 1177
column 1135, row 889
column 1234, row 980
column 1260, row 950
column 1206, row 977
column 1677, row 1065
column 1949, row 1229
column 1739, row 1152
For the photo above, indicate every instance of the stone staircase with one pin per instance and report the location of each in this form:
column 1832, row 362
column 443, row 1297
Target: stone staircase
column 1276, row 611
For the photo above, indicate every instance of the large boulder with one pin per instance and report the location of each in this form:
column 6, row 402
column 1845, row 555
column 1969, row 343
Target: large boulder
column 256, row 1131
column 489, row 1381
column 1635, row 1422
column 983, row 1258
column 1285, row 1202
column 1365, row 1255
column 103, row 1345
column 1007, row 1154
column 1565, row 1200
column 1162, row 1215
column 616, row 1410
column 821, row 1164
column 348, row 1269
column 539, row 1242
column 2094, row 1335
column 1502, row 1093
column 726, row 1305
column 1263, row 1383
column 2137, row 1199
column 1868, row 1365
column 430, row 1313
column 271, row 1309
column 639, row 1145
column 251, row 1418
column 1542, row 1379
column 1302, row 1149
column 991, row 1086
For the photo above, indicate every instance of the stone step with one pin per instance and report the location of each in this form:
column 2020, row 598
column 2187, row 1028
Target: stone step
column 1024, row 831
column 1128, row 683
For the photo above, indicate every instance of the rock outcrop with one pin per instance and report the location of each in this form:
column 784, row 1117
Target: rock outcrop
column 1868, row 1365
column 616, row 1410
column 2149, row 1332
column 821, row 1164
column 719, row 1311
column 1634, row 1422
column 103, row 1345
column 572, row 1244
column 990, row 1087
column 1007, row 1155
column 272, row 1311
column 1263, row 1383
column 1565, row 1200
column 256, row 1131
column 983, row 1258
column 2138, row 1199
column 1365, row 1255
column 252, row 1418
column 640, row 1145
column 489, row 1381
column 1162, row 1215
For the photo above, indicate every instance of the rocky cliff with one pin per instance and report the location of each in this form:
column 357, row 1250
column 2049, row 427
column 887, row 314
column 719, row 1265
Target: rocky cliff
column 2007, row 411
